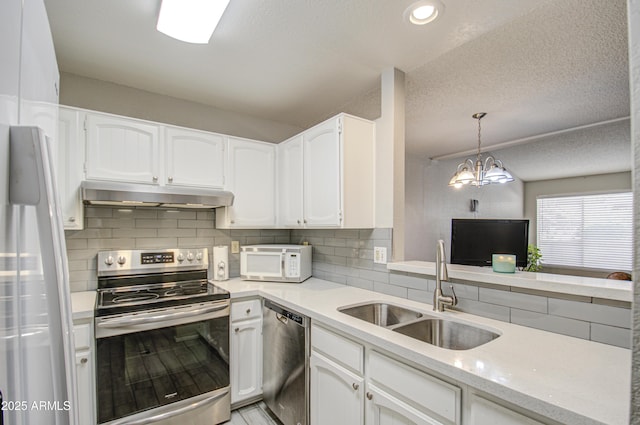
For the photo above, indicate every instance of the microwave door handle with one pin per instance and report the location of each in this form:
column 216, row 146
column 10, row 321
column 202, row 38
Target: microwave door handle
column 282, row 269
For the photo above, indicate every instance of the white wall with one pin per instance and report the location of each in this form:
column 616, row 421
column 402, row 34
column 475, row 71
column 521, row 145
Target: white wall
column 431, row 204
column 97, row 95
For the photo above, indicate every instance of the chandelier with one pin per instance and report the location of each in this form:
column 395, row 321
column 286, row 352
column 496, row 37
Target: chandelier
column 480, row 173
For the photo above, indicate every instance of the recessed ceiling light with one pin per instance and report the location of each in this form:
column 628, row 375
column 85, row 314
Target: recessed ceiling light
column 423, row 12
column 192, row 21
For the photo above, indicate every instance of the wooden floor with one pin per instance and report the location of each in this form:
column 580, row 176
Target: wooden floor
column 254, row 414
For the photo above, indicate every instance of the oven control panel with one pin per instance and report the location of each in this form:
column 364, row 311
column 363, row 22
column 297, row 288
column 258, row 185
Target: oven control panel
column 157, row 257
column 154, row 260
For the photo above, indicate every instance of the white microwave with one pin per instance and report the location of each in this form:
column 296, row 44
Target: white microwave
column 276, row 263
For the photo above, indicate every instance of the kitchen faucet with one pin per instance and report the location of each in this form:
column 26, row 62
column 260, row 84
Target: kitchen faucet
column 439, row 299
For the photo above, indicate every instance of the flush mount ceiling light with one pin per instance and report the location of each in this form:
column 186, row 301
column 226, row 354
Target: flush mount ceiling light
column 423, row 12
column 480, row 173
column 192, row 21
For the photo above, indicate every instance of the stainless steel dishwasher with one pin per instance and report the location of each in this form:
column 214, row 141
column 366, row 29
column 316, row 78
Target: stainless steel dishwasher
column 286, row 363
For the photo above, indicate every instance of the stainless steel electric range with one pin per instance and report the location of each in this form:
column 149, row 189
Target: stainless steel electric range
column 162, row 339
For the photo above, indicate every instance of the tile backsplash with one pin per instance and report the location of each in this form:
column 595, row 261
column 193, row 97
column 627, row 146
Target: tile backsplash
column 343, row 256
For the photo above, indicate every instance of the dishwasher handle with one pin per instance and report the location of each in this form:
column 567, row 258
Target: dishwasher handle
column 285, row 316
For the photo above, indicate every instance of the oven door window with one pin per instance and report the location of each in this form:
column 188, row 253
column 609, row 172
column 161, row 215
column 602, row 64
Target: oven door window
column 143, row 370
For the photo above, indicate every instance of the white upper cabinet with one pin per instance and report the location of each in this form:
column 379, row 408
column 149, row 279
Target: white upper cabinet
column 70, row 156
column 251, row 177
column 335, row 185
column 289, row 182
column 194, row 158
column 122, row 149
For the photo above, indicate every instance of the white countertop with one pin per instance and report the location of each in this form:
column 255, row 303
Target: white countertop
column 571, row 380
column 619, row 290
column 83, row 304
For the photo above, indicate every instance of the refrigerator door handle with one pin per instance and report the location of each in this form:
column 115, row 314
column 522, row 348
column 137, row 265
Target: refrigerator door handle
column 32, row 183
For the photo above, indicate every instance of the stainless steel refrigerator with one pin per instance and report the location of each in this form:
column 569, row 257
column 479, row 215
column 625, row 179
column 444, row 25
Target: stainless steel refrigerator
column 37, row 368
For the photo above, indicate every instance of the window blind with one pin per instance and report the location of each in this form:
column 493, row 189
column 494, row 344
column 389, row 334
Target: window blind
column 592, row 231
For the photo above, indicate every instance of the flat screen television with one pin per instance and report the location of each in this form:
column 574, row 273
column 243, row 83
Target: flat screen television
column 473, row 241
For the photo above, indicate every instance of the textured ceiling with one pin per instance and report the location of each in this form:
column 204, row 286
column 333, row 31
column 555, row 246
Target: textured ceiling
column 534, row 66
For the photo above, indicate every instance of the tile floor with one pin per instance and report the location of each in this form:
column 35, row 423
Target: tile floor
column 254, row 414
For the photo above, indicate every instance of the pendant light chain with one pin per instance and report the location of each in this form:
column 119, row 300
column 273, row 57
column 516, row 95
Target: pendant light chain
column 479, row 156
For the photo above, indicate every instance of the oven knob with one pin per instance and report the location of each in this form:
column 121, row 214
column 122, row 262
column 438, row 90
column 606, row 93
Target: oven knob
column 190, row 256
column 108, row 261
column 180, row 258
column 122, row 259
column 199, row 256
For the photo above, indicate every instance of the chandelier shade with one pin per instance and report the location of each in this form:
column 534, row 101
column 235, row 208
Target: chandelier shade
column 480, row 172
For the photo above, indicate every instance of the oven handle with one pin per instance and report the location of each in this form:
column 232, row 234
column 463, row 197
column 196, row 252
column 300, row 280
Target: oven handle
column 170, row 413
column 132, row 321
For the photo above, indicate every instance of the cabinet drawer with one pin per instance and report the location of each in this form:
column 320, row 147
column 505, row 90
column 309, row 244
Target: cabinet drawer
column 344, row 351
column 250, row 309
column 82, row 336
column 426, row 391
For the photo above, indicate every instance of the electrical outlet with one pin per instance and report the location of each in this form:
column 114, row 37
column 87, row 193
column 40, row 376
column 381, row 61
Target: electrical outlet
column 380, row 254
column 235, row 247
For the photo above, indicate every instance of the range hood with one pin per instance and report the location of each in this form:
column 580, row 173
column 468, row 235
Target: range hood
column 142, row 195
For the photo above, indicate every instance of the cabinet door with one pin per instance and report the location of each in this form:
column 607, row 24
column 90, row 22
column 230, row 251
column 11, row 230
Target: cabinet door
column 252, row 179
column 69, row 163
column 194, row 158
column 290, row 186
column 86, row 388
column 485, row 412
column 246, row 359
column 384, row 409
column 336, row 394
column 322, row 180
column 121, row 149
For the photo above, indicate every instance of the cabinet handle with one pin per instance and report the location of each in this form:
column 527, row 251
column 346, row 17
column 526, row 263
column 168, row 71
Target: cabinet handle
column 298, row 221
column 72, row 219
column 155, row 179
column 248, row 311
column 84, row 360
column 170, row 179
column 355, row 386
column 304, row 221
column 236, row 330
column 233, row 221
column 369, row 396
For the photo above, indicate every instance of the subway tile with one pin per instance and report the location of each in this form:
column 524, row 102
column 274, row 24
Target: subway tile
column 462, row 291
column 360, row 283
column 326, row 250
column 561, row 325
column 332, row 259
column 347, row 252
column 80, row 275
column 135, row 233
column 326, row 267
column 89, row 233
column 549, row 294
column 79, row 286
column 178, row 233
column 113, row 223
column 612, row 303
column 195, row 242
column 178, row 215
column 77, row 265
column 273, row 232
column 200, row 224
column 156, row 223
column 611, row 335
column 394, row 290
column 81, row 254
column 373, row 275
column 135, row 213
column 205, row 215
column 420, row 295
column 331, row 277
column 360, row 263
column 347, row 234
column 606, row 315
column 513, row 299
column 156, row 243
column 239, row 233
column 347, row 271
column 335, row 242
column 111, row 243
column 282, row 239
column 76, row 244
column 491, row 311
column 379, row 267
column 365, row 254
column 407, row 281
column 98, row 212
column 377, row 233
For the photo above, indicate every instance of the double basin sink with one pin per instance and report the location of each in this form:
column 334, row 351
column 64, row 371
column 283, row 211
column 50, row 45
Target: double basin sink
column 433, row 330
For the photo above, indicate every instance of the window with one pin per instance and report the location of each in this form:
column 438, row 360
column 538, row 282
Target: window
column 590, row 231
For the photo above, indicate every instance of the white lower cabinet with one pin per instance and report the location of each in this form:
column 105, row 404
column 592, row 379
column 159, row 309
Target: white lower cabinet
column 336, row 394
column 374, row 389
column 83, row 340
column 246, row 350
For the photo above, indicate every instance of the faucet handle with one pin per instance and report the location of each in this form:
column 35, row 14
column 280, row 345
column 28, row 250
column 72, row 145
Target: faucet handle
column 454, row 298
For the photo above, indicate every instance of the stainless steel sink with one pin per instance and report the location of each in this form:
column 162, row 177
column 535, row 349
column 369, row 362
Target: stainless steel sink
column 381, row 314
column 447, row 333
